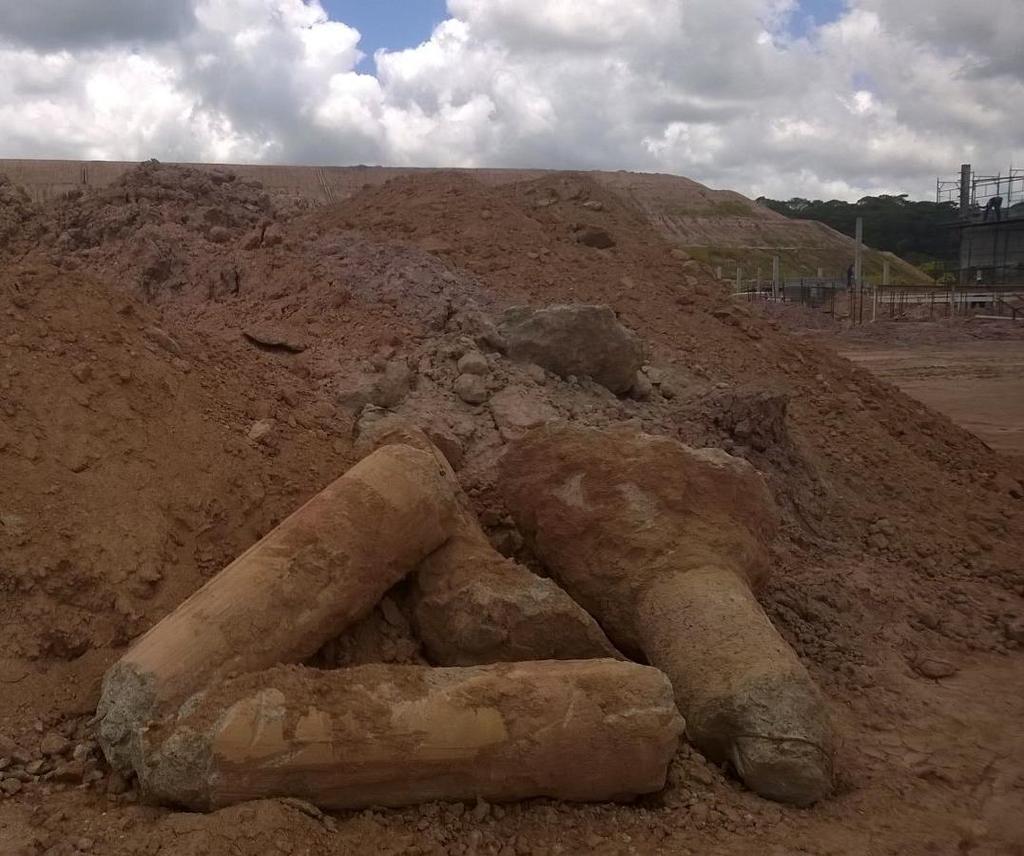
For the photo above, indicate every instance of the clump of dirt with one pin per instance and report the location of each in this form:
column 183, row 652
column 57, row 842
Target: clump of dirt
column 145, row 440
column 15, row 210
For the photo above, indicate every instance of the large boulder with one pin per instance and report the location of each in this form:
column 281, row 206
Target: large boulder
column 579, row 340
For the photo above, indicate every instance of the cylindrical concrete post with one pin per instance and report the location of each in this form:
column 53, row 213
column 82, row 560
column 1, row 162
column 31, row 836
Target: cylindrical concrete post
column 319, row 571
column 664, row 545
column 587, row 730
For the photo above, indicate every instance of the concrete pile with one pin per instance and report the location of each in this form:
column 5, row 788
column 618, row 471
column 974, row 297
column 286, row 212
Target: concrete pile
column 665, row 546
column 654, row 544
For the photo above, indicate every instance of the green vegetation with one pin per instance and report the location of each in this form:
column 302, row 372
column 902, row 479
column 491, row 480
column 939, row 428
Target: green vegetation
column 915, row 231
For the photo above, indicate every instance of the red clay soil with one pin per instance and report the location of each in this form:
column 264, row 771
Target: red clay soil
column 145, row 441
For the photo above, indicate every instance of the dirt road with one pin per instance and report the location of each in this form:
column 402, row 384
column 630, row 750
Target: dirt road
column 980, row 385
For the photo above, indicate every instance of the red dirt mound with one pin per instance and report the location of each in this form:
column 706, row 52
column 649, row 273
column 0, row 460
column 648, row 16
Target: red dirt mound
column 145, row 441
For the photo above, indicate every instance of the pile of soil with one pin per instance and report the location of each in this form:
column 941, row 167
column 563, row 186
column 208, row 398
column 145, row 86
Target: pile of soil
column 179, row 359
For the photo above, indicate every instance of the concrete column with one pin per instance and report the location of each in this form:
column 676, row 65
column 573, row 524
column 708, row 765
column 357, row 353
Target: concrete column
column 858, row 263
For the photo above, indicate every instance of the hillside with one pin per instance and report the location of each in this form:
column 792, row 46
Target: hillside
column 721, row 228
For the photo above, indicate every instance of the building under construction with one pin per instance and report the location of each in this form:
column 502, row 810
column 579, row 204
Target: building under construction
column 990, row 224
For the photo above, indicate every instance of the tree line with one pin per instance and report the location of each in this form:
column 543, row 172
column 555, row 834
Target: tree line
column 916, row 231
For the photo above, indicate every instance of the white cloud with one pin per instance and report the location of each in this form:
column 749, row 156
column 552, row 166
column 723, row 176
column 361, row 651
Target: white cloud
column 881, row 100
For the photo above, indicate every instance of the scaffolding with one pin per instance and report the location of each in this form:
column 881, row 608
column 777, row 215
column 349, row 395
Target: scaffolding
column 977, row 191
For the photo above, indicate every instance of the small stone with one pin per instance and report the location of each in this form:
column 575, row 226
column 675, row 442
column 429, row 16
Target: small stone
column 149, row 574
column 84, row 844
column 642, row 387
column 54, row 744
column 124, row 375
column 37, row 767
column 537, row 374
column 278, row 337
column 392, row 614
column 219, row 235
column 84, row 751
column 680, row 255
column 70, row 772
column 164, row 339
column 259, row 431
column 82, row 372
column 599, row 239
column 594, row 205
column 1013, row 628
column 481, row 809
column 471, row 389
column 183, row 366
column 10, row 787
column 516, row 411
column 934, row 668
column 474, row 363
column 116, row 784
column 273, row 235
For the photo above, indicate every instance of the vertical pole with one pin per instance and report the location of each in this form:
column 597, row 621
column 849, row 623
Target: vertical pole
column 718, row 272
column 739, row 280
column 858, row 266
column 886, row 273
column 775, row 277
column 965, row 190
column 758, row 285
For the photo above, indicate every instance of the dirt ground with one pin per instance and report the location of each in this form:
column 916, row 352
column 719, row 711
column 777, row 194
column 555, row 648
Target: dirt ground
column 977, row 384
column 178, row 354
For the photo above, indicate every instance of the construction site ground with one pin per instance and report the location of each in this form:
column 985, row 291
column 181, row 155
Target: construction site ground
column 174, row 354
column 976, row 379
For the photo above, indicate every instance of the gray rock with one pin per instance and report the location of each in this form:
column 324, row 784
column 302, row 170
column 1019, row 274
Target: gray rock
column 260, row 430
column 642, row 387
column 54, row 744
column 385, row 389
column 577, row 340
column 516, row 411
column 471, row 389
column 474, row 363
column 599, row 239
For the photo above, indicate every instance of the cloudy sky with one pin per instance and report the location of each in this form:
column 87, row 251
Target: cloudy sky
column 782, row 97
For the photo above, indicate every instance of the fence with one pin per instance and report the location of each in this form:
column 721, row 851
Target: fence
column 889, row 302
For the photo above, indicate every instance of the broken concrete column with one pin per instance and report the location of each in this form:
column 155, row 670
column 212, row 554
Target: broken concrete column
column 399, row 735
column 663, row 544
column 319, row 571
column 471, row 605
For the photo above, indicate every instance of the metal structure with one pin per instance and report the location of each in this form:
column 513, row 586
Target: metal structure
column 972, row 192
column 990, row 223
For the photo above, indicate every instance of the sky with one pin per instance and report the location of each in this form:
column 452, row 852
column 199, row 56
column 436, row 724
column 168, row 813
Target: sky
column 813, row 98
column 390, row 24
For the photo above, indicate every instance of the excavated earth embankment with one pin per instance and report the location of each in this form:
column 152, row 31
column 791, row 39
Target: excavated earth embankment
column 186, row 358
